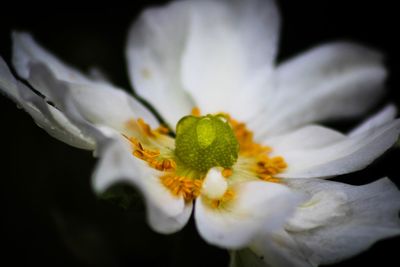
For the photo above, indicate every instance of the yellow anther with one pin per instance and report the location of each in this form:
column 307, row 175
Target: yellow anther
column 162, row 130
column 196, row 112
column 227, row 172
column 145, row 128
column 267, row 167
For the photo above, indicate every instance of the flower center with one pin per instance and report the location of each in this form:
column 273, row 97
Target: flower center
column 205, row 142
column 208, row 156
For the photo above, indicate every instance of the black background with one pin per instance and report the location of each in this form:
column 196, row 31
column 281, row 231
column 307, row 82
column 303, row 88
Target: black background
column 49, row 215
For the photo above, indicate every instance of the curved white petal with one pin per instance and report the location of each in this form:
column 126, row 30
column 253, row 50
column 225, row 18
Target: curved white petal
column 257, row 206
column 336, row 80
column 217, row 55
column 46, row 116
column 166, row 213
column 308, row 137
column 99, row 102
column 320, row 152
column 359, row 218
column 100, row 105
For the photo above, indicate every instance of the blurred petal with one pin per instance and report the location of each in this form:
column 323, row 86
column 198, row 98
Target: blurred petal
column 168, row 224
column 336, row 80
column 350, row 224
column 279, row 249
column 386, row 115
column 315, row 151
column 216, row 55
column 46, row 116
column 240, row 220
column 166, row 213
column 339, row 221
column 245, row 258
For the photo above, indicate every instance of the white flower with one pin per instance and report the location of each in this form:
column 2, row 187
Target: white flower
column 245, row 166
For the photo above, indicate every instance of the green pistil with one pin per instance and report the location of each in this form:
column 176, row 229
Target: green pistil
column 205, row 142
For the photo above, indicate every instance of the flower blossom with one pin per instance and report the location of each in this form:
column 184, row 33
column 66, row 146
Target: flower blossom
column 240, row 145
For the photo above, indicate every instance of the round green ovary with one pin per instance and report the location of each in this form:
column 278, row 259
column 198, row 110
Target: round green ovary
column 205, row 142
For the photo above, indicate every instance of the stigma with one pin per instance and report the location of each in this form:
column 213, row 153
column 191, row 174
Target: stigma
column 205, row 142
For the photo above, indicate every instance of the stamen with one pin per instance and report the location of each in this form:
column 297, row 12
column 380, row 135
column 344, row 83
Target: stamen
column 228, row 196
column 188, row 188
column 152, row 157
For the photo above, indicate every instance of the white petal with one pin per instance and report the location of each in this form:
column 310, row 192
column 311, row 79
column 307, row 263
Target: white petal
column 214, row 54
column 166, row 213
column 100, row 105
column 100, row 102
column 337, row 80
column 251, row 211
column 324, row 207
column 154, row 50
column 387, row 114
column 308, row 137
column 372, row 214
column 229, row 56
column 327, row 153
column 46, row 116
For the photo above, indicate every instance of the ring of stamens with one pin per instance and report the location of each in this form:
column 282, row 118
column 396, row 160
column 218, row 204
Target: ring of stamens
column 258, row 161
